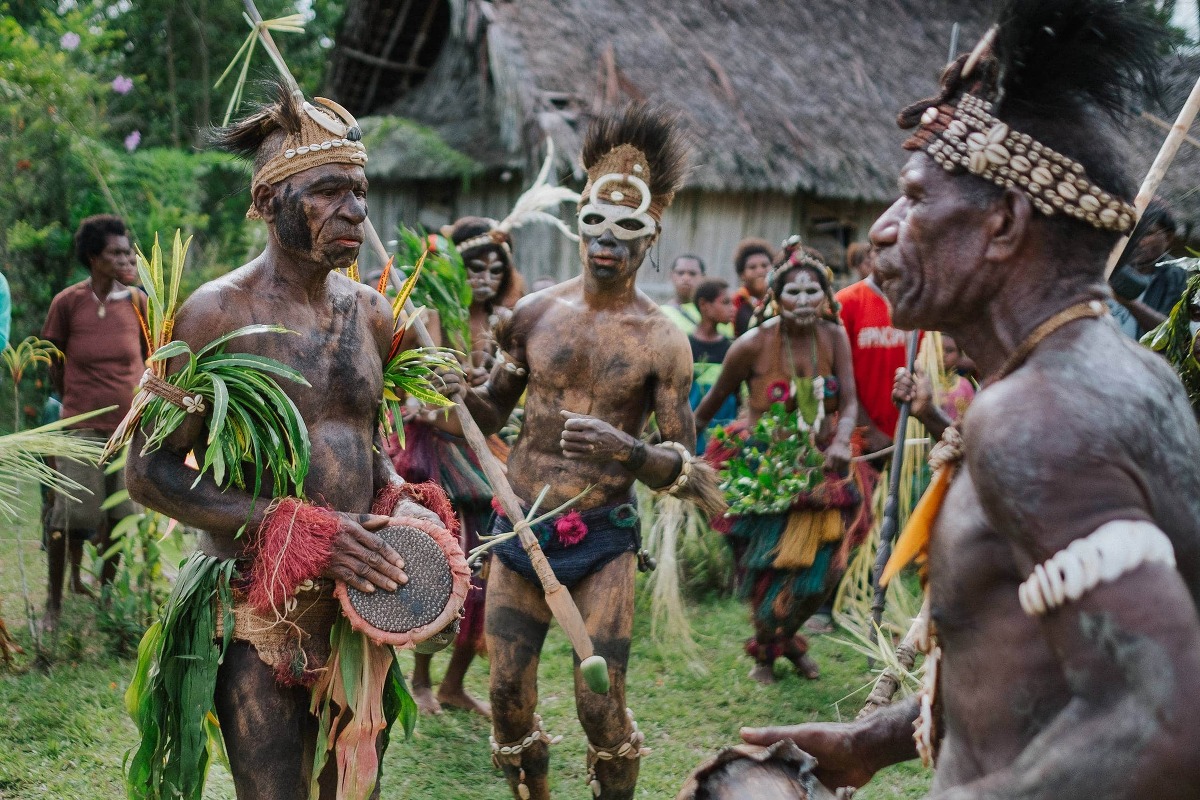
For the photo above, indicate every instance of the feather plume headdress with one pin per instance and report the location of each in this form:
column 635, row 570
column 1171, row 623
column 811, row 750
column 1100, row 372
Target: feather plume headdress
column 1055, row 61
column 532, row 206
column 636, row 158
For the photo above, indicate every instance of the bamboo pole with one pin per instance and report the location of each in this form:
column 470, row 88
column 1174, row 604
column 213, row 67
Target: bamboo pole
column 558, row 598
column 1158, row 170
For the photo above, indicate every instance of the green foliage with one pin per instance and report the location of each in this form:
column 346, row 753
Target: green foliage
column 781, row 462
column 402, row 148
column 443, row 286
column 141, row 544
column 1174, row 339
column 171, row 694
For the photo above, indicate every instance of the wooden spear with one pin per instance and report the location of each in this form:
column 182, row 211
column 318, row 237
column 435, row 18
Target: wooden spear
column 558, row 598
column 1158, row 170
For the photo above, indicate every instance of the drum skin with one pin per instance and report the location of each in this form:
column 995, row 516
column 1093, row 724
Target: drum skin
column 780, row 772
column 431, row 601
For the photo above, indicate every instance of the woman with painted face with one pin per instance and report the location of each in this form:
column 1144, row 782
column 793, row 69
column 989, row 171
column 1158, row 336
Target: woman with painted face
column 796, row 506
column 434, row 450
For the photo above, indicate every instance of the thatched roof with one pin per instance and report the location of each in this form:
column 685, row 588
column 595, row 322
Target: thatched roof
column 788, row 96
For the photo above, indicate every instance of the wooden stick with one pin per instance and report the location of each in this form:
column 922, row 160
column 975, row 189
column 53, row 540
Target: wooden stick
column 561, row 604
column 1158, row 170
column 891, row 508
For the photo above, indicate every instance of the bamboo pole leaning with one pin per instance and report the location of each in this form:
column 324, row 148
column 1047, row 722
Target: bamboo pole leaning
column 1158, row 170
column 592, row 666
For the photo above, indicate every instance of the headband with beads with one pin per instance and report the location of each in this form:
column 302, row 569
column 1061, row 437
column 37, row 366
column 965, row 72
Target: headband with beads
column 964, row 134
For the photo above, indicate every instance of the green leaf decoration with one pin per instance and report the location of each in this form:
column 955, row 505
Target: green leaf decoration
column 778, row 463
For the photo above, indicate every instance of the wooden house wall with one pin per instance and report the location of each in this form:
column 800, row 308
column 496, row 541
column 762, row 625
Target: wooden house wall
column 709, row 224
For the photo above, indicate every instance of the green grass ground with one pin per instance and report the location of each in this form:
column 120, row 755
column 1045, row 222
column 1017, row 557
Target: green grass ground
column 64, row 734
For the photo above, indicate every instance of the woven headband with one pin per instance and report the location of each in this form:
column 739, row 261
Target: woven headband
column 328, row 134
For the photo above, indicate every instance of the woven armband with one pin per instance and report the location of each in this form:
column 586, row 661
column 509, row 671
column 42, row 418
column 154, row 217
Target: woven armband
column 697, row 482
column 1106, row 554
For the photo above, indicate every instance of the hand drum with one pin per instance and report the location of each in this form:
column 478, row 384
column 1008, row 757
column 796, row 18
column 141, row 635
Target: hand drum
column 780, row 772
column 431, row 601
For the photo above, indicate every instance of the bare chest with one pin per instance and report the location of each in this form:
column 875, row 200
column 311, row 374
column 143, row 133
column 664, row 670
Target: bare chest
column 602, row 354
column 337, row 355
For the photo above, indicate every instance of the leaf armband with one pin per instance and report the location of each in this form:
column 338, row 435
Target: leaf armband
column 250, row 419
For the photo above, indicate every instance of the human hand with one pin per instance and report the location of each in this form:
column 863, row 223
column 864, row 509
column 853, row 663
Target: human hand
column 917, row 390
column 363, row 560
column 477, row 376
column 831, row 743
column 450, row 384
column 586, row 438
column 838, row 455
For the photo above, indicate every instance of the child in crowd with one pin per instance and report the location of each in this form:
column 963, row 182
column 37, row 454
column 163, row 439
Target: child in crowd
column 709, row 346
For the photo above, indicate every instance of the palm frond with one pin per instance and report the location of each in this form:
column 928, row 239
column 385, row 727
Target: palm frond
column 23, row 454
column 27, row 354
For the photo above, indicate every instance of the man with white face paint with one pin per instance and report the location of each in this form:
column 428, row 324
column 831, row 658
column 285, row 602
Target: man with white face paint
column 792, row 531
column 595, row 357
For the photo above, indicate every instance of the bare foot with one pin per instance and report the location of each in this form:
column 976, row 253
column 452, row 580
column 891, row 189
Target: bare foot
column 50, row 619
column 806, row 667
column 426, row 702
column 460, row 699
column 763, row 673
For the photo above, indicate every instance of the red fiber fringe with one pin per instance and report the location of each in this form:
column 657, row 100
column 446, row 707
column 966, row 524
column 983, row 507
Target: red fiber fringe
column 428, row 495
column 295, row 543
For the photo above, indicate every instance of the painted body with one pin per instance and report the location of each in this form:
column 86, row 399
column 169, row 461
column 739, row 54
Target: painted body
column 342, row 331
column 1094, row 699
column 592, row 383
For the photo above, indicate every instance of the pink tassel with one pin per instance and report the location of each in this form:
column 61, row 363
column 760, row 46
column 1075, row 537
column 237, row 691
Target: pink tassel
column 570, row 528
column 295, row 543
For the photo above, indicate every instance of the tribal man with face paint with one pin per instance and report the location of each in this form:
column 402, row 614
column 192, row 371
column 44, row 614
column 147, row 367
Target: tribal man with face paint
column 309, row 188
column 1059, row 542
column 792, row 534
column 596, row 358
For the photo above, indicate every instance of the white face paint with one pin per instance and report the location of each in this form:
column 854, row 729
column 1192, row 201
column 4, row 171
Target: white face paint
column 801, row 298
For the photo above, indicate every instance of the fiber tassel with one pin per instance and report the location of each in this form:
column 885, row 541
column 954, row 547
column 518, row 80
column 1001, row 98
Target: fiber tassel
column 703, row 489
column 666, row 520
column 806, row 531
column 428, row 495
column 295, row 543
column 914, row 540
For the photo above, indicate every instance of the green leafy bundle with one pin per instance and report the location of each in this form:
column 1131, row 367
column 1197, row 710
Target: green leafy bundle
column 252, row 421
column 445, row 288
column 171, row 695
column 410, row 372
column 1174, row 340
column 769, row 470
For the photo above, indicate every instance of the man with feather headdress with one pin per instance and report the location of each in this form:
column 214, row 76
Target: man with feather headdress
column 1060, row 540
column 247, row 638
column 596, row 357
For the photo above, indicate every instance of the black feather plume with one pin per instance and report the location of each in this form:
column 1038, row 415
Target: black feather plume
column 652, row 130
column 245, row 136
column 1053, row 55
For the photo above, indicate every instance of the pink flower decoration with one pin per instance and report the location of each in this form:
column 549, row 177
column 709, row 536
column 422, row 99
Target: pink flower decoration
column 122, row 84
column 133, row 140
column 499, row 509
column 570, row 528
column 779, row 392
column 69, row 40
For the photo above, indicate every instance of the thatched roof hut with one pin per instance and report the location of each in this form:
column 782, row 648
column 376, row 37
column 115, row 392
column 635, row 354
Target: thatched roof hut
column 790, row 105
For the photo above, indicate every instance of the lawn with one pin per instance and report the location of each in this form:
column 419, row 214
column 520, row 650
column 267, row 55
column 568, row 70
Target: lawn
column 64, row 734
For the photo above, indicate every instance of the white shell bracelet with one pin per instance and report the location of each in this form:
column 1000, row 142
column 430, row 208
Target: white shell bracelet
column 1103, row 556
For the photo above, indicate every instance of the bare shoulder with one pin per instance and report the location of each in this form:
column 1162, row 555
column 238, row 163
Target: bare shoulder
column 217, row 307
column 1092, row 428
column 375, row 307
